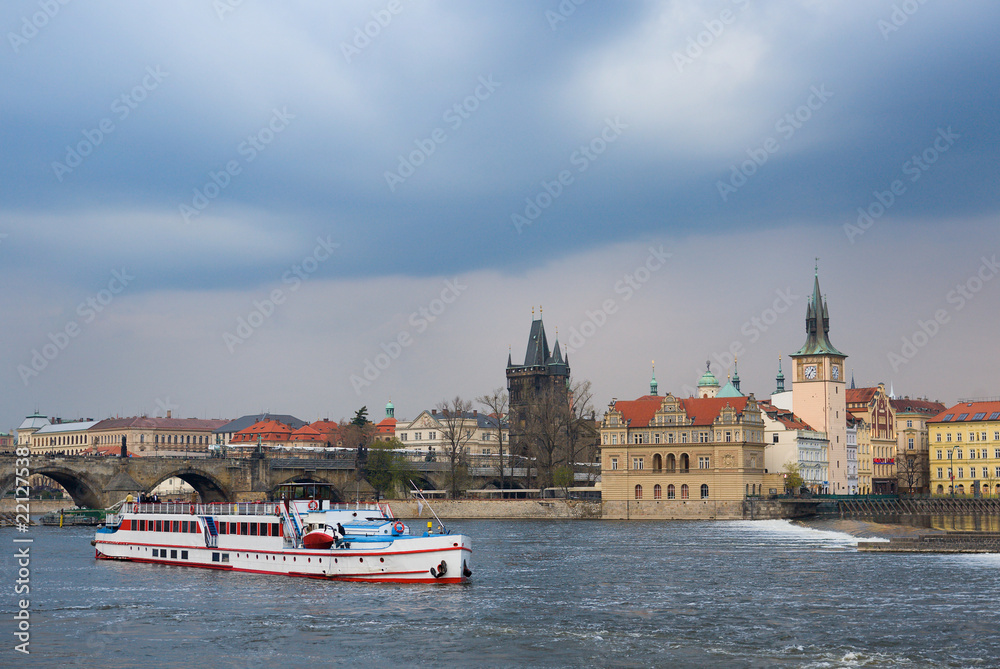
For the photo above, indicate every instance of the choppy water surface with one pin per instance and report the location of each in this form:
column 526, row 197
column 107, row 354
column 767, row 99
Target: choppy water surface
column 599, row 593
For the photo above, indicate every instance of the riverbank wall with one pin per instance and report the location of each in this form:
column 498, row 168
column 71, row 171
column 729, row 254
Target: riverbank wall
column 499, row 509
column 9, row 505
column 950, row 542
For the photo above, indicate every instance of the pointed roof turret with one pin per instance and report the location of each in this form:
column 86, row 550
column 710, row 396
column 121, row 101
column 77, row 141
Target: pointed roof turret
column 729, row 390
column 736, row 373
column 852, row 379
column 817, row 325
column 537, row 353
column 390, row 410
column 652, row 382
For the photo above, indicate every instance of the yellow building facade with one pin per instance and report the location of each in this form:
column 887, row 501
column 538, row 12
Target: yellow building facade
column 666, row 457
column 965, row 450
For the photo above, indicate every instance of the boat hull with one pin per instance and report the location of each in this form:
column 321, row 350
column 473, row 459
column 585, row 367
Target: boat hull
column 184, row 541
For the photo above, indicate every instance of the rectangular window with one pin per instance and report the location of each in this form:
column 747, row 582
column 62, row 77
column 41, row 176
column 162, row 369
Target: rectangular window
column 979, row 416
column 909, row 443
column 937, row 437
column 729, row 435
column 703, row 462
column 614, row 439
column 417, row 435
column 961, row 472
column 232, row 528
column 940, row 473
column 958, row 453
column 432, row 435
column 184, row 555
column 940, row 455
column 997, row 472
column 223, row 527
column 403, row 437
column 176, row 526
column 996, row 452
column 684, row 437
column 656, row 438
column 982, row 436
column 159, row 526
column 963, row 416
column 972, row 454
column 142, row 525
column 274, row 530
column 636, row 463
column 253, row 529
column 958, row 436
column 670, row 438
column 215, row 557
column 173, row 554
column 244, row 530
column 225, row 557
column 909, row 423
column 614, row 464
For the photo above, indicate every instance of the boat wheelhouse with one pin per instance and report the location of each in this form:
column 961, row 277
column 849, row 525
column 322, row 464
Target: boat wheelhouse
column 312, row 538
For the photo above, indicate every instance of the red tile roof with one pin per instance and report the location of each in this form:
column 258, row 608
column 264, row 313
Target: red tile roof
column 306, row 433
column 702, row 411
column 860, row 395
column 970, row 408
column 267, row 430
column 160, row 423
column 786, row 418
column 907, row 405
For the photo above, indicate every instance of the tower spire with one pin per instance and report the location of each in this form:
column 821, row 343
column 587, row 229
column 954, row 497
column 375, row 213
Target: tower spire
column 780, row 378
column 736, row 373
column 652, row 381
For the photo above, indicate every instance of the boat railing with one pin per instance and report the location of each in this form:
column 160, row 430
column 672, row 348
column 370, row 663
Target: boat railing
column 228, row 508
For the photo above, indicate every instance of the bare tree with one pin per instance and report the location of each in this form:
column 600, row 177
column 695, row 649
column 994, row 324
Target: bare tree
column 547, row 416
column 497, row 403
column 908, row 472
column 455, row 436
column 581, row 429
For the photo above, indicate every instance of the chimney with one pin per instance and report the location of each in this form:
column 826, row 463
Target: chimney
column 434, row 412
column 168, row 413
column 475, row 412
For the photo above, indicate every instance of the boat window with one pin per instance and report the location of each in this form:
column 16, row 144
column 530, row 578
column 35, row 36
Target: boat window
column 142, row 525
column 177, row 526
column 223, row 527
column 243, row 529
column 253, row 529
column 173, row 554
column 225, row 557
column 215, row 557
column 159, row 526
column 184, row 555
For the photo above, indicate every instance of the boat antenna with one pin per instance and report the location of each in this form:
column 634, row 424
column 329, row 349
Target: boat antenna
column 421, row 495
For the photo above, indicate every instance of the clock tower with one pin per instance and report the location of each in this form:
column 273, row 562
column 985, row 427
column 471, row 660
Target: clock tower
column 818, row 388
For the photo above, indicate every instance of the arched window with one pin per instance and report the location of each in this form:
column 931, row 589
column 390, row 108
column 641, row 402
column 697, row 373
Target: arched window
column 657, row 491
column 684, row 491
column 638, row 492
column 685, row 462
column 657, row 462
column 961, row 489
column 704, row 491
column 671, row 491
column 671, row 462
column 940, row 489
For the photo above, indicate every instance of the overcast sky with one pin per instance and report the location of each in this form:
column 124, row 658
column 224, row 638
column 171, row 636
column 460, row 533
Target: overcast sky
column 307, row 207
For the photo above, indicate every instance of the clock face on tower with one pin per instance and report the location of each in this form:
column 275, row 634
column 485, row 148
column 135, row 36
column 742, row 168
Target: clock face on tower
column 835, row 371
column 809, row 371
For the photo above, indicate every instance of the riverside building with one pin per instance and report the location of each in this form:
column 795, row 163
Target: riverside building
column 965, row 449
column 667, row 457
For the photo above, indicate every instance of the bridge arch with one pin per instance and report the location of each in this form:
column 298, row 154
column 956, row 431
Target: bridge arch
column 336, row 495
column 209, row 488
column 84, row 491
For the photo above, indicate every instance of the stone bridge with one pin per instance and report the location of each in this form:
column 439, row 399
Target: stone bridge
column 99, row 482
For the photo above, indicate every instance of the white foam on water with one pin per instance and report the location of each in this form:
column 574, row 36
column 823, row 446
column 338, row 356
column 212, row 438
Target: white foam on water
column 786, row 529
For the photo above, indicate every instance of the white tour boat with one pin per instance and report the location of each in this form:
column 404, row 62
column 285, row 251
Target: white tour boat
column 296, row 538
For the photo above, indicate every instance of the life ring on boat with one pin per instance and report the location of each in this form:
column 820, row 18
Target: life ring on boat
column 313, row 505
column 277, row 509
column 191, row 507
column 398, row 527
column 135, row 508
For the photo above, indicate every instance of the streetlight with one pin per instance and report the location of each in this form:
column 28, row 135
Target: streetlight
column 951, row 472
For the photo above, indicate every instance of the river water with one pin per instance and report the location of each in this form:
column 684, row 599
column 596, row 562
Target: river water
column 545, row 593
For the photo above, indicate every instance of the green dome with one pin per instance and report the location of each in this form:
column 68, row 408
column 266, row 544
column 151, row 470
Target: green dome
column 708, row 379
